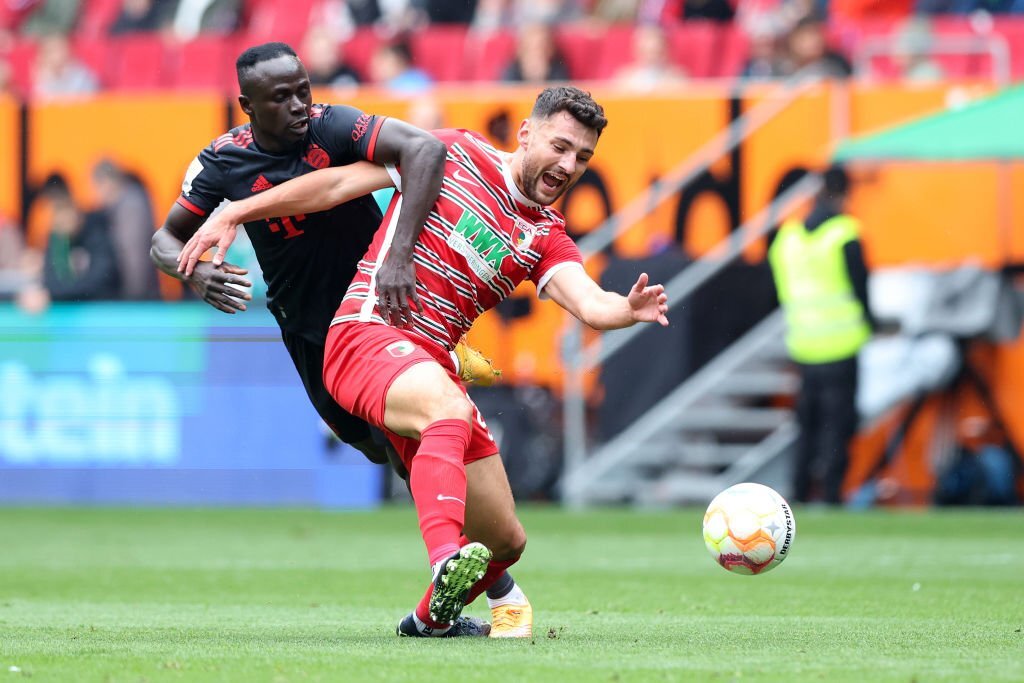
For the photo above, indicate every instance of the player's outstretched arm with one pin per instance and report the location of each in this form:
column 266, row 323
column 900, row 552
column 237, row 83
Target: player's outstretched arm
column 576, row 292
column 216, row 285
column 309, row 193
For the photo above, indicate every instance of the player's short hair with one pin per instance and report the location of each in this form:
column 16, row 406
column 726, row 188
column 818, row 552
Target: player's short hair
column 258, row 54
column 580, row 105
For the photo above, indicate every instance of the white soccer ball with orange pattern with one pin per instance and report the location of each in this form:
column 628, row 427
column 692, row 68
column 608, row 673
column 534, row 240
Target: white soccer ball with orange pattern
column 749, row 529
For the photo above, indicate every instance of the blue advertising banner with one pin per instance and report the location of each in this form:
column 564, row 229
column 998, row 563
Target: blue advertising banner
column 124, row 403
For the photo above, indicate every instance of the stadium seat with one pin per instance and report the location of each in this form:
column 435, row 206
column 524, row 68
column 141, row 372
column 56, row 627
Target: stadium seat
column 284, row 21
column 694, row 46
column 578, row 46
column 204, row 63
column 21, row 56
column 96, row 16
column 358, row 51
column 93, row 53
column 439, row 51
column 614, row 50
column 136, row 62
column 731, row 53
column 487, row 54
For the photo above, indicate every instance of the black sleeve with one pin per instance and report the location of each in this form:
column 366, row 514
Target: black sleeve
column 858, row 270
column 347, row 133
column 202, row 189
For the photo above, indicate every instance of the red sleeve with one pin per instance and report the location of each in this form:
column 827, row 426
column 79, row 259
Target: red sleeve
column 559, row 252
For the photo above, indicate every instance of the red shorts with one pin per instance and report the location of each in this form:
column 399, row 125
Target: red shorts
column 361, row 362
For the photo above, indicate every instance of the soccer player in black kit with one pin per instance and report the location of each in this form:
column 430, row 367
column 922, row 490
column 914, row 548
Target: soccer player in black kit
column 307, row 260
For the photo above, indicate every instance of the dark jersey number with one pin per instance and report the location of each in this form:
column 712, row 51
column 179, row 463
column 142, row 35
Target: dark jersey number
column 287, row 223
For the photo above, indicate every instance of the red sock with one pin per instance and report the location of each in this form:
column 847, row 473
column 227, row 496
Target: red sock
column 494, row 570
column 438, row 483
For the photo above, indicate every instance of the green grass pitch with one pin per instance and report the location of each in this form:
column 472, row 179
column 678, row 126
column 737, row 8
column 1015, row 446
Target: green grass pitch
column 270, row 595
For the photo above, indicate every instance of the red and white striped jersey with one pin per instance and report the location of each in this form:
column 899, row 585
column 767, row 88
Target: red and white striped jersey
column 483, row 238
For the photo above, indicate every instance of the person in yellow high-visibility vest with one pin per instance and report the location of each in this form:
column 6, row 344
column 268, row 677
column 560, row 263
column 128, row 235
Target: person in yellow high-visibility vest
column 821, row 280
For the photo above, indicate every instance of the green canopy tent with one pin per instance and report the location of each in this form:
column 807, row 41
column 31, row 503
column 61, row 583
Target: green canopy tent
column 986, row 130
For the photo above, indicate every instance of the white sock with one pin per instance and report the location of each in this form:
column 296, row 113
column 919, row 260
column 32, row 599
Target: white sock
column 516, row 596
column 422, row 627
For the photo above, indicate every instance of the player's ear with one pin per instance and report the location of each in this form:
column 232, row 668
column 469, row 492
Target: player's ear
column 523, row 136
column 244, row 103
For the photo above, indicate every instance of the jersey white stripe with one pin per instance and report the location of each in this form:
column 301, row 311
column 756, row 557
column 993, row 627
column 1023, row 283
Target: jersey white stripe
column 371, row 301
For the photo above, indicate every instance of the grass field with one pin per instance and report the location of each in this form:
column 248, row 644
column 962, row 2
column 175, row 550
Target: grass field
column 267, row 595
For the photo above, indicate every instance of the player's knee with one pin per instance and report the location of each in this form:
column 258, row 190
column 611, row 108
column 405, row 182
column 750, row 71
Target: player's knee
column 510, row 544
column 450, row 405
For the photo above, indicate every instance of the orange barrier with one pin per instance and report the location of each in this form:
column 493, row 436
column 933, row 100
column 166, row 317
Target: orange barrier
column 10, row 183
column 921, row 214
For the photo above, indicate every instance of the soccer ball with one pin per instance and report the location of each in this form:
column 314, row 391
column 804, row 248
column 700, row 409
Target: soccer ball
column 749, row 529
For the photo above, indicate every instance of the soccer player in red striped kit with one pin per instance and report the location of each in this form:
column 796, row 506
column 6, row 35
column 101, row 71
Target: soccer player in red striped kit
column 491, row 228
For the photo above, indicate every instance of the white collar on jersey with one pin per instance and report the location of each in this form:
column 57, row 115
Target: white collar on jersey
column 510, row 183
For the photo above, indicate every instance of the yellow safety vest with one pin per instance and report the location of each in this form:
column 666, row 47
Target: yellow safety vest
column 824, row 318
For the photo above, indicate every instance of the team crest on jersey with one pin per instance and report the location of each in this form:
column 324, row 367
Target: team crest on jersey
column 524, row 234
column 400, row 349
column 317, row 157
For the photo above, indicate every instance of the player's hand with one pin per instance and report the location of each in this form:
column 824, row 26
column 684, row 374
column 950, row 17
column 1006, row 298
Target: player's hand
column 219, row 285
column 396, row 290
column 219, row 231
column 648, row 304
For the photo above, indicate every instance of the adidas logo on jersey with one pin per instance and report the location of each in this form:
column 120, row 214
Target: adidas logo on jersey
column 261, row 184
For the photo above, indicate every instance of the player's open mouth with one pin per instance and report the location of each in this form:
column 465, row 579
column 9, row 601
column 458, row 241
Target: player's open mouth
column 300, row 126
column 552, row 181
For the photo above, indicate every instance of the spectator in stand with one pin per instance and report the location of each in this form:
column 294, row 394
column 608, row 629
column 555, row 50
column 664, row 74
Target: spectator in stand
column 129, row 214
column 49, row 17
column 206, row 16
column 80, row 262
column 537, row 59
column 767, row 59
column 651, row 67
column 392, row 68
column 57, row 73
column 709, row 10
column 969, row 6
column 141, row 16
column 445, row 11
column 322, row 55
column 497, row 14
column 913, row 44
column 810, row 54
column 13, row 275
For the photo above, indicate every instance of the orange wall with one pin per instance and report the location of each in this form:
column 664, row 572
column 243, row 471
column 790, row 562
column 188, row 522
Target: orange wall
column 10, row 186
column 154, row 136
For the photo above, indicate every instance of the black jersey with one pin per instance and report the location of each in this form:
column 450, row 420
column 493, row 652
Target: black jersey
column 307, row 260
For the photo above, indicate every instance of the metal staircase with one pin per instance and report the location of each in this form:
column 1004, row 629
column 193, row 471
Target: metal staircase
column 721, row 426
column 716, row 429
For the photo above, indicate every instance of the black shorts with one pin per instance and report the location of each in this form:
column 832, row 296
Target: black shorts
column 309, row 361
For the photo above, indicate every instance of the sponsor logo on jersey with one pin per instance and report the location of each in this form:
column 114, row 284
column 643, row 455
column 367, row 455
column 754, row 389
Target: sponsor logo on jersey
column 194, row 169
column 360, row 127
column 400, row 349
column 479, row 244
column 317, row 157
column 261, row 184
column 524, row 234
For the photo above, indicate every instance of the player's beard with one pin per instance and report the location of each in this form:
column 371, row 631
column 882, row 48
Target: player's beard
column 533, row 184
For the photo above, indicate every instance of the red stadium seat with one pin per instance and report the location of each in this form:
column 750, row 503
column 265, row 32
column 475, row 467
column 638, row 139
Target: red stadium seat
column 694, row 45
column 205, row 63
column 487, row 54
column 136, row 62
column 96, row 16
column 613, row 49
column 579, row 47
column 731, row 54
column 21, row 57
column 358, row 51
column 93, row 53
column 283, row 21
column 439, row 51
